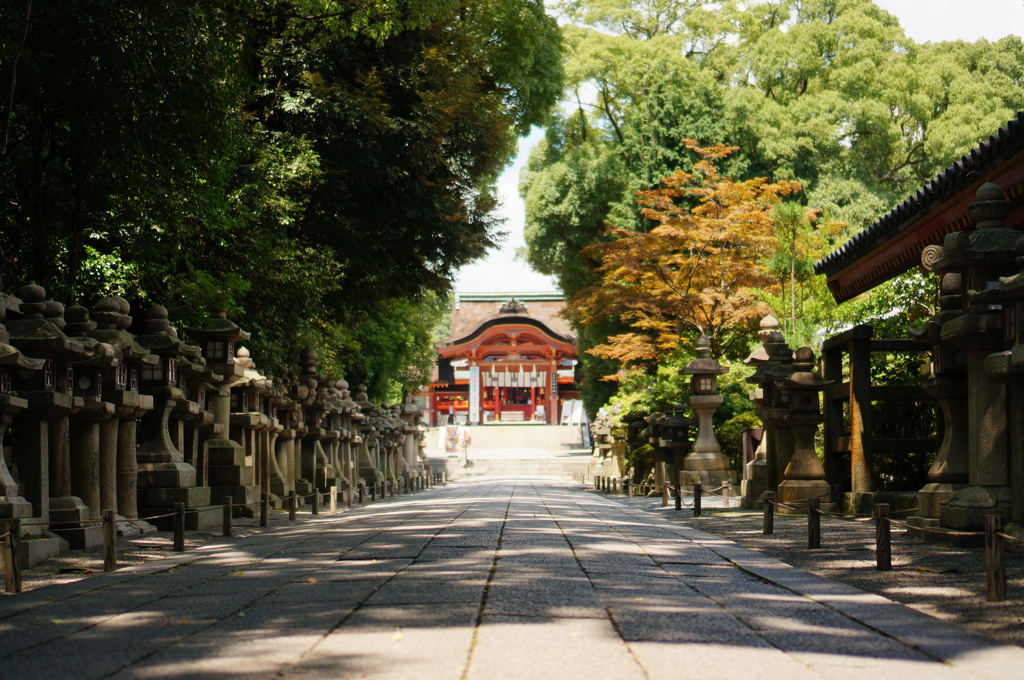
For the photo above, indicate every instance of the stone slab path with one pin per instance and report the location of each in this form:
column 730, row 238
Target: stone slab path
column 481, row 580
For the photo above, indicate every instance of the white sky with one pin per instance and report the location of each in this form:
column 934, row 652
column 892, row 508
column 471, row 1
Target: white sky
column 922, row 20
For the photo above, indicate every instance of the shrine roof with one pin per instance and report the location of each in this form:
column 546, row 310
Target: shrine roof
column 472, row 311
column 893, row 244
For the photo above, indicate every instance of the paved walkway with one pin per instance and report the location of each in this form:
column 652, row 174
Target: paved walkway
column 480, row 580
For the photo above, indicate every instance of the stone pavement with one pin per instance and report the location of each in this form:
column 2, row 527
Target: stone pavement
column 479, row 580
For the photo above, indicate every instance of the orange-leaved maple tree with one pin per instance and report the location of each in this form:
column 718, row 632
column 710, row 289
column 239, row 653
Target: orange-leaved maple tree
column 698, row 270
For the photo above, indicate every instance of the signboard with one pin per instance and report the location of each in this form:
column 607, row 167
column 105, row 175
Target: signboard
column 474, row 395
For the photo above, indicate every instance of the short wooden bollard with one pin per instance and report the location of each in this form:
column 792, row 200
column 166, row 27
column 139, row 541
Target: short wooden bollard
column 883, row 538
column 995, row 558
column 373, row 492
column 768, row 523
column 315, row 509
column 265, row 510
column 391, row 487
column 229, row 511
column 292, row 502
column 679, row 496
column 361, row 489
column 109, row 540
column 697, row 491
column 727, row 494
column 625, row 488
column 178, row 527
column 11, row 550
column 813, row 524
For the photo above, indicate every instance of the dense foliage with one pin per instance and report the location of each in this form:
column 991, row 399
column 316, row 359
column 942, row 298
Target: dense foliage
column 320, row 168
column 829, row 94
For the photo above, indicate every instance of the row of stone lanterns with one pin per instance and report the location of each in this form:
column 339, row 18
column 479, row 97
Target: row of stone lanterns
column 99, row 418
column 786, row 398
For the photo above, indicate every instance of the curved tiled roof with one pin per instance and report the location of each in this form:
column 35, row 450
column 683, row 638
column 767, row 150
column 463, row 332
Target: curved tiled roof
column 983, row 159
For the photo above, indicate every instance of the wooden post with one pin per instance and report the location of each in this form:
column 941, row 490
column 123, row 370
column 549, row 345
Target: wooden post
column 625, row 488
column 679, row 496
column 228, row 512
column 315, row 509
column 768, row 523
column 883, row 538
column 265, row 510
column 109, row 540
column 360, row 488
column 727, row 494
column 697, row 489
column 178, row 526
column 373, row 492
column 291, row 505
column 813, row 524
column 12, row 558
column 995, row 558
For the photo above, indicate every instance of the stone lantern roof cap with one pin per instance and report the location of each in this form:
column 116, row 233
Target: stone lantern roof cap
column 218, row 326
column 39, row 336
column 704, row 364
column 803, row 376
column 77, row 325
column 161, row 338
column 111, row 322
column 10, row 357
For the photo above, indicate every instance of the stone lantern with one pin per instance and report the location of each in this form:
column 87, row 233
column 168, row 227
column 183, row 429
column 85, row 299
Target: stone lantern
column 230, row 473
column 41, row 435
column 88, row 381
column 411, row 415
column 673, row 432
column 368, row 452
column 706, row 461
column 118, row 435
column 778, row 437
column 164, row 478
column 12, row 504
column 635, row 425
column 755, row 473
column 804, row 475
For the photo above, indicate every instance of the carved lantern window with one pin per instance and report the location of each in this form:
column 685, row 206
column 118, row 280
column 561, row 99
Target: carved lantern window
column 5, row 382
column 121, row 376
column 48, row 375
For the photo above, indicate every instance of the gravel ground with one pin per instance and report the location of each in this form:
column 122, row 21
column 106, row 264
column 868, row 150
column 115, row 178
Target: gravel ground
column 944, row 581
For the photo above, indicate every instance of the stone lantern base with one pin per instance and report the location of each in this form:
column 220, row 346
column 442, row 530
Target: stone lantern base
column 933, row 496
column 708, row 479
column 969, row 506
column 799, row 490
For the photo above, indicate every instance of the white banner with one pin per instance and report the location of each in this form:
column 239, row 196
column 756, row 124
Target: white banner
column 474, row 394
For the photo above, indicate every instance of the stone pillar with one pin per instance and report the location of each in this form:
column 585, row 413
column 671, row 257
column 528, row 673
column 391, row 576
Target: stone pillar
column 804, row 475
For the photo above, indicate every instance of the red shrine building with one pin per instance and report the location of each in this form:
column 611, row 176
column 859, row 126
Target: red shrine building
column 508, row 359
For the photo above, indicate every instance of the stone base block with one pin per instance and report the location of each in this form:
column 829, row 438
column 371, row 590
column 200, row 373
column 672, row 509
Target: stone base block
column 80, row 538
column 164, row 499
column 134, row 527
column 232, row 475
column 751, row 490
column 968, row 507
column 14, row 507
column 933, row 496
column 225, row 452
column 241, row 495
column 67, row 509
column 166, row 475
column 797, row 491
column 37, row 549
column 708, row 478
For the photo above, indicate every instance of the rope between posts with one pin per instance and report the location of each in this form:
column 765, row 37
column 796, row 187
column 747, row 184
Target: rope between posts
column 170, row 514
column 846, row 517
column 933, row 531
column 1000, row 534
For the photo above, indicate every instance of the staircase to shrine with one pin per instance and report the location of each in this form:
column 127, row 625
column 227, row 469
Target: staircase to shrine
column 525, row 450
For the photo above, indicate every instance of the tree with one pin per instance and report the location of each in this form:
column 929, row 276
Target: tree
column 698, row 272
